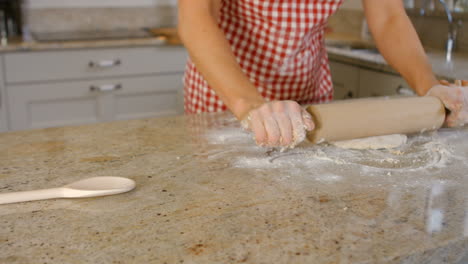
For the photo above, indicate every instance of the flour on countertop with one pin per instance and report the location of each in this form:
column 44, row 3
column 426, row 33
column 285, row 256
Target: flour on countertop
column 423, row 153
column 230, row 135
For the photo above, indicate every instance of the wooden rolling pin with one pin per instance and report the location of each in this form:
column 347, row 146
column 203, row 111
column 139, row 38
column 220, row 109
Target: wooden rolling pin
column 359, row 118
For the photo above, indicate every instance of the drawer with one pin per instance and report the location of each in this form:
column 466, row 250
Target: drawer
column 149, row 97
column 82, row 102
column 87, row 64
column 49, row 105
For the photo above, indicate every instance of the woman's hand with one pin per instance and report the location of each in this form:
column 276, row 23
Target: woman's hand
column 455, row 99
column 279, row 124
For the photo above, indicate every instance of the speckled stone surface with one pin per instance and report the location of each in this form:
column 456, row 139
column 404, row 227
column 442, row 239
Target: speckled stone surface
column 206, row 194
column 24, row 46
column 58, row 19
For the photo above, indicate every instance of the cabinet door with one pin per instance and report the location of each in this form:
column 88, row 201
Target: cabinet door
column 345, row 80
column 53, row 104
column 3, row 100
column 82, row 102
column 148, row 97
column 374, row 84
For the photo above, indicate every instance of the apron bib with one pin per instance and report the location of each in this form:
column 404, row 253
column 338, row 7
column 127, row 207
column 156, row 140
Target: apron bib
column 279, row 45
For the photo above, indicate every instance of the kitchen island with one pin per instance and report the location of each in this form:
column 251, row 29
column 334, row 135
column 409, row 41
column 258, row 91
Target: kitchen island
column 206, row 194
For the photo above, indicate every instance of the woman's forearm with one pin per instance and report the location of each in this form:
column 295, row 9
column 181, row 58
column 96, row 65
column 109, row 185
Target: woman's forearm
column 211, row 53
column 399, row 44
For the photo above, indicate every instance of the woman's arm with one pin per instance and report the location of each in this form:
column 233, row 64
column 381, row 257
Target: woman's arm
column 213, row 57
column 398, row 42
column 278, row 123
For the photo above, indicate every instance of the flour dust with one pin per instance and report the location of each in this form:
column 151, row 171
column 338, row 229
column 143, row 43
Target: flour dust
column 423, row 154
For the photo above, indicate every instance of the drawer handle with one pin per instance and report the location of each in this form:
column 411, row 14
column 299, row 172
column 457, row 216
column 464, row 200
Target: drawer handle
column 104, row 63
column 105, row 87
column 401, row 90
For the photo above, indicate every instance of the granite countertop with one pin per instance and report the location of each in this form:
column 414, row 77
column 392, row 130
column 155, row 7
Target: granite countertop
column 206, row 194
column 162, row 37
column 21, row 46
column 458, row 69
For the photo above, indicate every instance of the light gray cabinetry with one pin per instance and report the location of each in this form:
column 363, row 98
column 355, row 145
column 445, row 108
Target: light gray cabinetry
column 374, row 84
column 3, row 101
column 81, row 102
column 89, row 64
column 137, row 99
column 345, row 80
column 48, row 89
column 46, row 105
column 351, row 81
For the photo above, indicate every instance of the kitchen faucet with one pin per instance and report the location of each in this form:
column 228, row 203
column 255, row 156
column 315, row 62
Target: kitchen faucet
column 452, row 30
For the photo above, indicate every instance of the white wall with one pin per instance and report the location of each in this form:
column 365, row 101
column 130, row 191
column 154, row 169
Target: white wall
column 96, row 3
column 353, row 4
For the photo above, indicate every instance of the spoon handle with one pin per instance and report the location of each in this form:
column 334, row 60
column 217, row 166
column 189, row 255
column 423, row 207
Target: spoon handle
column 17, row 197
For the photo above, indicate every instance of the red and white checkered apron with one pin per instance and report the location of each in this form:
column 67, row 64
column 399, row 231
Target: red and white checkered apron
column 279, row 45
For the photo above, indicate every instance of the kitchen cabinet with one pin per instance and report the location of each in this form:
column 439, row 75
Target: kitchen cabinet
column 345, row 80
column 96, row 63
column 3, row 105
column 46, row 105
column 374, row 84
column 58, row 88
column 351, row 81
column 81, row 102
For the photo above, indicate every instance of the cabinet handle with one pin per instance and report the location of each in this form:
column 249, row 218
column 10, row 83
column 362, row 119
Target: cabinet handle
column 104, row 63
column 105, row 87
column 401, row 90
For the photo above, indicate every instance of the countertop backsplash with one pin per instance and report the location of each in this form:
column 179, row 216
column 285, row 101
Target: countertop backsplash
column 347, row 21
column 86, row 15
column 94, row 3
column 432, row 30
column 90, row 15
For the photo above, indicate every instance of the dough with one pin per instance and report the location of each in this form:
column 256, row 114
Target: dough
column 379, row 142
